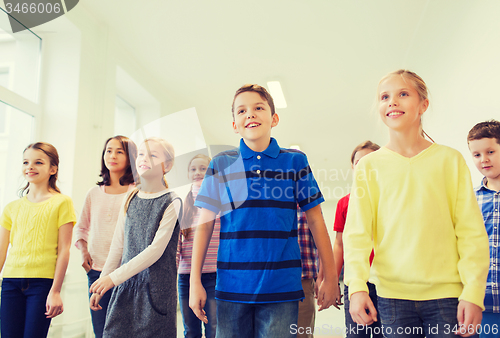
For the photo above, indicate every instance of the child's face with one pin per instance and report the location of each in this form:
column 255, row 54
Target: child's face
column 36, row 166
column 197, row 170
column 115, row 158
column 400, row 106
column 486, row 156
column 252, row 117
column 151, row 160
column 359, row 155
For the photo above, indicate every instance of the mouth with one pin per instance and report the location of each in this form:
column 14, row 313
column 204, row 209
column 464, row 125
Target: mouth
column 252, row 125
column 395, row 113
column 144, row 167
column 488, row 167
column 31, row 174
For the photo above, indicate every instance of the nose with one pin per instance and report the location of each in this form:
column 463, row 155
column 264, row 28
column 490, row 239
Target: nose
column 250, row 115
column 393, row 102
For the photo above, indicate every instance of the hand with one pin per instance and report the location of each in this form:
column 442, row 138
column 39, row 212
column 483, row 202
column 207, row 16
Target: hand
column 54, row 305
column 317, row 284
column 469, row 317
column 339, row 300
column 328, row 295
column 86, row 260
column 94, row 302
column 360, row 302
column 102, row 285
column 197, row 300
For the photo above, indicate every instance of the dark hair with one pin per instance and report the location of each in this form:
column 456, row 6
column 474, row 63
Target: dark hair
column 49, row 150
column 488, row 129
column 365, row 145
column 130, row 150
column 189, row 209
column 256, row 89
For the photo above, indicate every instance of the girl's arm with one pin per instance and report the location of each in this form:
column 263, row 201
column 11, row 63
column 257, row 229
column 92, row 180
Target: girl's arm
column 146, row 258
column 54, row 305
column 202, row 236
column 4, row 245
column 329, row 290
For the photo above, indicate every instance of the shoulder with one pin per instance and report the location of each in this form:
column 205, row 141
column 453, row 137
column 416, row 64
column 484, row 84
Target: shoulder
column 14, row 204
column 448, row 154
column 291, row 159
column 344, row 200
column 61, row 199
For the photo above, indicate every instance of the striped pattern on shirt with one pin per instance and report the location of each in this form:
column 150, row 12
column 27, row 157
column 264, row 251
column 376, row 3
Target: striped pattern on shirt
column 489, row 203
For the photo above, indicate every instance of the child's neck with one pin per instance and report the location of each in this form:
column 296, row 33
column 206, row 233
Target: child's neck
column 493, row 184
column 115, row 187
column 258, row 145
column 407, row 144
column 39, row 193
column 149, row 186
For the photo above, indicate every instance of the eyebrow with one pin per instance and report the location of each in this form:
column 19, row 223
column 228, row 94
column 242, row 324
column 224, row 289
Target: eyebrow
column 119, row 148
column 38, row 159
column 243, row 105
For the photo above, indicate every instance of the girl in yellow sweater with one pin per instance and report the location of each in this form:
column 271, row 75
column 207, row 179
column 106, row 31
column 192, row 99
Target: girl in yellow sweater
column 413, row 202
column 38, row 227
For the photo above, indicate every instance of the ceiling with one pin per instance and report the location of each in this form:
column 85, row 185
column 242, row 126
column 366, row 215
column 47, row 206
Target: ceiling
column 329, row 56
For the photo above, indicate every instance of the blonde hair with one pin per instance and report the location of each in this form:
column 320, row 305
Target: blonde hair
column 418, row 84
column 168, row 151
column 51, row 152
column 189, row 210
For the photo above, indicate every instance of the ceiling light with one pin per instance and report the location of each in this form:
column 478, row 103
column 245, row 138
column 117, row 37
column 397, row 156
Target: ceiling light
column 277, row 94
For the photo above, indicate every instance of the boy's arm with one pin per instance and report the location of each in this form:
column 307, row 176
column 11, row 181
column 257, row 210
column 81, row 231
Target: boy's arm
column 338, row 252
column 328, row 292
column 202, row 236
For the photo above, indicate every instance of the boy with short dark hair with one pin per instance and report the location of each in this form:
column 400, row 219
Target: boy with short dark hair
column 256, row 189
column 484, row 145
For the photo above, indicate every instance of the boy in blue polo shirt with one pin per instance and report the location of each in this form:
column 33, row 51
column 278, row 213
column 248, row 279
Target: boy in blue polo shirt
column 256, row 189
column 484, row 145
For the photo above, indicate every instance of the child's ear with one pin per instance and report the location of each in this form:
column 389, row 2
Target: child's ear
column 167, row 167
column 275, row 121
column 425, row 105
column 53, row 170
column 235, row 128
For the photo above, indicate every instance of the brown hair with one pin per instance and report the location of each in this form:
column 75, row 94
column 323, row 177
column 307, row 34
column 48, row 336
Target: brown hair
column 487, row 129
column 418, row 84
column 130, row 150
column 264, row 94
column 169, row 152
column 51, row 152
column 189, row 209
column 364, row 145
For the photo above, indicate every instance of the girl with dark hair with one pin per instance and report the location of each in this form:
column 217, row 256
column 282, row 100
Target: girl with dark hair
column 38, row 227
column 197, row 168
column 97, row 222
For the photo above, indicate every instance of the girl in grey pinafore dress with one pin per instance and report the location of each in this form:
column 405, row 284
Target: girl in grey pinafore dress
column 146, row 304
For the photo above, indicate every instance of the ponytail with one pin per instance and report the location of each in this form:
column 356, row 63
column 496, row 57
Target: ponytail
column 188, row 212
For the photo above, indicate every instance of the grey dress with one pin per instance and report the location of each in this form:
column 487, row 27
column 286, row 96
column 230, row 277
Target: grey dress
column 146, row 304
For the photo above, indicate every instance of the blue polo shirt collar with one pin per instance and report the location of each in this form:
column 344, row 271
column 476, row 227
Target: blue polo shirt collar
column 273, row 150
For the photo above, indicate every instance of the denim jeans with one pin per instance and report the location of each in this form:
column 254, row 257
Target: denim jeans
column 490, row 325
column 99, row 317
column 192, row 325
column 244, row 320
column 354, row 330
column 435, row 318
column 23, row 307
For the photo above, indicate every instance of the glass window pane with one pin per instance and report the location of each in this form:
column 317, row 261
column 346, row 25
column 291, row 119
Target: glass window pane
column 124, row 117
column 20, row 59
column 17, row 133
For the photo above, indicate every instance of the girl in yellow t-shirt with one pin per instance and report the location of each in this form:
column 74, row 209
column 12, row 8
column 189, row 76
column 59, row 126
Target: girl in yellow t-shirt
column 38, row 228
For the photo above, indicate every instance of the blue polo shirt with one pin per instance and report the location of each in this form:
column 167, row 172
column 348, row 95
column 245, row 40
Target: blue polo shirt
column 257, row 195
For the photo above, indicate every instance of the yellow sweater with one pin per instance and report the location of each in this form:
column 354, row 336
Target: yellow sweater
column 428, row 233
column 34, row 234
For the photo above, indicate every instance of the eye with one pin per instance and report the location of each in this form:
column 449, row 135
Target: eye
column 108, row 151
column 403, row 94
column 154, row 156
column 241, row 111
column 260, row 108
column 120, row 152
column 491, row 152
column 476, row 155
column 25, row 162
column 38, row 162
column 384, row 97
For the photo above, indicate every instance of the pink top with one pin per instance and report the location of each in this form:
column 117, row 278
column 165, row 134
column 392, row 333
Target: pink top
column 185, row 246
column 97, row 223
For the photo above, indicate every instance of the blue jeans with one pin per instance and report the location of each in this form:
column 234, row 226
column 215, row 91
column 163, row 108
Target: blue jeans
column 435, row 318
column 244, row 320
column 354, row 330
column 99, row 317
column 490, row 325
column 192, row 325
column 23, row 307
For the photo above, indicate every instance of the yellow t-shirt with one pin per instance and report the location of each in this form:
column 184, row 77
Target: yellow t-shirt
column 34, row 234
column 421, row 217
